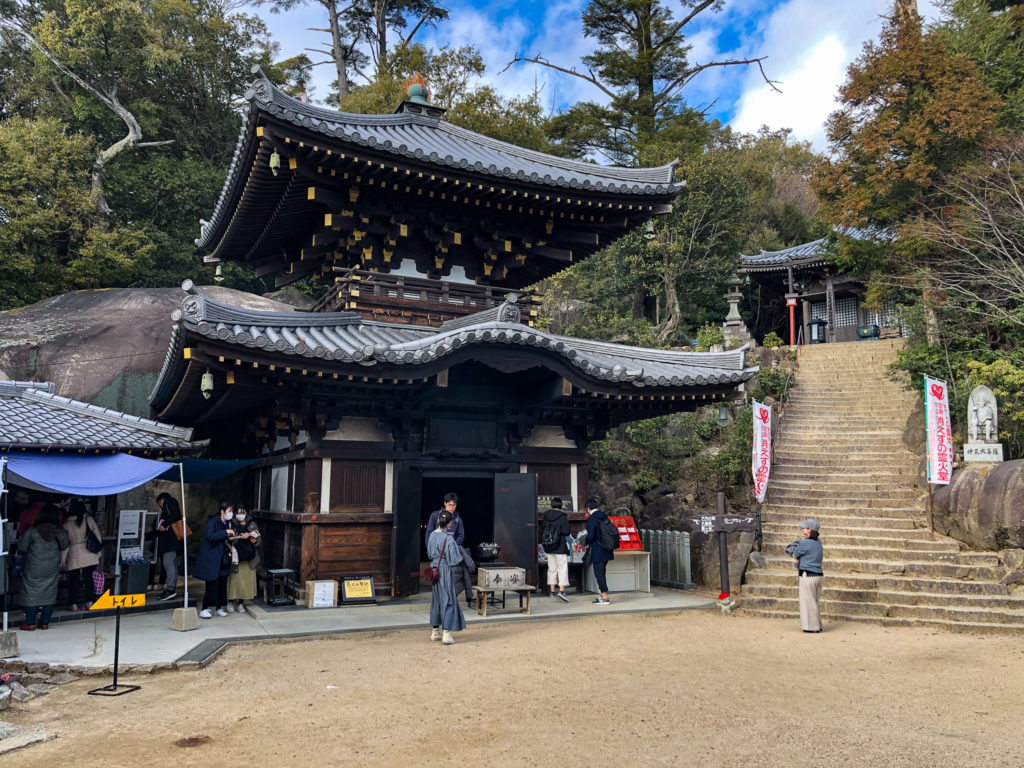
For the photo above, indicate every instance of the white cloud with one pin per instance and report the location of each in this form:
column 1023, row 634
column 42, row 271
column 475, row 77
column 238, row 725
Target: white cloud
column 808, row 95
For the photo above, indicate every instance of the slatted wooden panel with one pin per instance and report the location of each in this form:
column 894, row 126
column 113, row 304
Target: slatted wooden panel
column 352, row 550
column 552, row 479
column 357, row 486
column 298, row 472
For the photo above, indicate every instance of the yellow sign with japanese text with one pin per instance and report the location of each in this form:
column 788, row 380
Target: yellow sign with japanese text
column 106, row 601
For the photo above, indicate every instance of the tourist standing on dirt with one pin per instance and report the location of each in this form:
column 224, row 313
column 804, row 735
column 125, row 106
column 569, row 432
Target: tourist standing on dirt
column 79, row 562
column 599, row 556
column 444, row 553
column 41, row 545
column 167, row 543
column 214, row 560
column 242, row 580
column 808, row 554
column 554, row 529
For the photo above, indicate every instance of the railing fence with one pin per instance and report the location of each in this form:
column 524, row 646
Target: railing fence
column 670, row 557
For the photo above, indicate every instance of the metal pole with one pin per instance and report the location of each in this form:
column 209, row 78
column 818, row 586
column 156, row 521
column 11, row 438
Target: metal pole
column 931, row 521
column 723, row 545
column 184, row 540
column 117, row 641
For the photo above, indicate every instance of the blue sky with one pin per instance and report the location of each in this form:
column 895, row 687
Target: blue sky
column 808, row 44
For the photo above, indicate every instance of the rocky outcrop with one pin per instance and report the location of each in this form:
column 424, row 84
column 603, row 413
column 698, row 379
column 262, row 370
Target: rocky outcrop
column 983, row 505
column 103, row 346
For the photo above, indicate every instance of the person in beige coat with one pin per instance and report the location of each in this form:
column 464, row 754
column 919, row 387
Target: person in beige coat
column 79, row 562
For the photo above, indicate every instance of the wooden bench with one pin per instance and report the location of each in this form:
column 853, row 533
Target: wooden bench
column 485, row 594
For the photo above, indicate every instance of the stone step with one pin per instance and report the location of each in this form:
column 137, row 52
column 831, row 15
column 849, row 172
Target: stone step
column 780, row 494
column 883, row 552
column 836, row 521
column 776, row 541
column 793, row 470
column 917, row 568
column 832, row 607
column 858, row 535
column 889, row 597
column 852, row 483
column 971, row 627
column 891, row 509
column 879, row 582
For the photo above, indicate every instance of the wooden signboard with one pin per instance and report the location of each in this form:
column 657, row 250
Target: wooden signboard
column 356, row 590
column 719, row 523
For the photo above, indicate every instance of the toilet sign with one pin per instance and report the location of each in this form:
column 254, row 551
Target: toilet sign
column 106, row 601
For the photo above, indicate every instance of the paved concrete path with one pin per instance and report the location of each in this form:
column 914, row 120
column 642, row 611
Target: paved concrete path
column 147, row 639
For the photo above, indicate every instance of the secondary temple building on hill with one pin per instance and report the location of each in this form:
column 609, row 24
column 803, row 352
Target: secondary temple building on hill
column 423, row 372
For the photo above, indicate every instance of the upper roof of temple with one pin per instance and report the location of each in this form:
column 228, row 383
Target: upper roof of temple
column 378, row 189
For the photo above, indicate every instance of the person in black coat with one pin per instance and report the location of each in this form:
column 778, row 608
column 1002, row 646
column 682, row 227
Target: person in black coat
column 167, row 544
column 214, row 561
column 599, row 556
column 556, row 521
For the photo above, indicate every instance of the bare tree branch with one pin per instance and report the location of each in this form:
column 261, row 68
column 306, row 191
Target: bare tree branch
column 538, row 59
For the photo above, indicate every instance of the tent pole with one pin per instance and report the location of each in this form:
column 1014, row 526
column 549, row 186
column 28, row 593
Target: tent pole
column 184, row 540
column 4, row 544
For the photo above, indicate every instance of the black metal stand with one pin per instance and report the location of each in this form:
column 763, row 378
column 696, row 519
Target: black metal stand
column 114, row 689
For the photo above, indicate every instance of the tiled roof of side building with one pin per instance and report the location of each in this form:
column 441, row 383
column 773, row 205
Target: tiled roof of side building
column 346, row 338
column 33, row 417
column 806, row 254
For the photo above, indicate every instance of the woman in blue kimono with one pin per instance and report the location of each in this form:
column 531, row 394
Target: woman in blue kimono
column 445, row 613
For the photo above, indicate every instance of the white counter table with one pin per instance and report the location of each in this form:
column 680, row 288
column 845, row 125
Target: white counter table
column 630, row 571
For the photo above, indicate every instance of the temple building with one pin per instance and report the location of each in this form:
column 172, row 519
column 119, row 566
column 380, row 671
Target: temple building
column 825, row 305
column 423, row 370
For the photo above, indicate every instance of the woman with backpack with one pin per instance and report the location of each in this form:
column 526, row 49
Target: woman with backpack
column 553, row 531
column 599, row 554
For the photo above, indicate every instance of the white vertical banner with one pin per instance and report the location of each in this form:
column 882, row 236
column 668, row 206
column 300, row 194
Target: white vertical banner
column 762, row 449
column 940, row 433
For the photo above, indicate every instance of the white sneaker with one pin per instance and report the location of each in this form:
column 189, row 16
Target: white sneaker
column 241, row 608
column 231, row 608
column 205, row 614
column 221, row 612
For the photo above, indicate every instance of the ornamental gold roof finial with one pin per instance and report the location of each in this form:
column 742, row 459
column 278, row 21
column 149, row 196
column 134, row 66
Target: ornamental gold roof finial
column 417, row 90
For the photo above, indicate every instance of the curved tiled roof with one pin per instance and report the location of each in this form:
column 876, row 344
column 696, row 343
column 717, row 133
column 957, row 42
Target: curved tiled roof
column 33, row 417
column 346, row 338
column 433, row 141
column 805, row 254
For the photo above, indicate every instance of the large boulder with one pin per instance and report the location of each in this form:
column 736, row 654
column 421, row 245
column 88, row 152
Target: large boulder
column 105, row 347
column 983, row 506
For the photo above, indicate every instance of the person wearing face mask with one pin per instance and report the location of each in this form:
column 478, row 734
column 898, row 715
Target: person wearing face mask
column 214, row 560
column 246, row 559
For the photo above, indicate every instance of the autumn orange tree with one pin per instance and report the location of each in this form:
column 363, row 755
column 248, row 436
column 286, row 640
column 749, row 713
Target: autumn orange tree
column 911, row 111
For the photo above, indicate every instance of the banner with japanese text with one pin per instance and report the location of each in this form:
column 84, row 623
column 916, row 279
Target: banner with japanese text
column 762, row 449
column 940, row 433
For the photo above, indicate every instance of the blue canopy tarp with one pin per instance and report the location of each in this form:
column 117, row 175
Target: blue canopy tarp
column 83, row 475
column 205, row 470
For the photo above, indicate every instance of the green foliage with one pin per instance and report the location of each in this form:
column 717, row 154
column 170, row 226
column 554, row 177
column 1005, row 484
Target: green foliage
column 772, row 379
column 645, row 479
column 607, row 458
column 772, row 340
column 708, row 336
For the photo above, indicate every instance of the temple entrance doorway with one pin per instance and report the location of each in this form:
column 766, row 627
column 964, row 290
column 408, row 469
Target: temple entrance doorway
column 476, row 505
column 495, row 506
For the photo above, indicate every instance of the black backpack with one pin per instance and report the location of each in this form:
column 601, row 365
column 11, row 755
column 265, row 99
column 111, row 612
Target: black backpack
column 608, row 535
column 549, row 534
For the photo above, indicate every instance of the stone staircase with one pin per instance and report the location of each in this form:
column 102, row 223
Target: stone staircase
column 840, row 458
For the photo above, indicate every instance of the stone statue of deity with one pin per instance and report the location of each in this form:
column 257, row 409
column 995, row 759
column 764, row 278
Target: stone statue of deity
column 983, row 416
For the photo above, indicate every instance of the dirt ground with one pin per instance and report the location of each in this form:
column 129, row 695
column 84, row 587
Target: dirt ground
column 684, row 689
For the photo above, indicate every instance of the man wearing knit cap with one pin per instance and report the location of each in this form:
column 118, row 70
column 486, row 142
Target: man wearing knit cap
column 807, row 553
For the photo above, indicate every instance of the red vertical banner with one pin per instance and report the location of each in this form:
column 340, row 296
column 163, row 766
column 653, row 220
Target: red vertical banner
column 940, row 432
column 761, row 463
